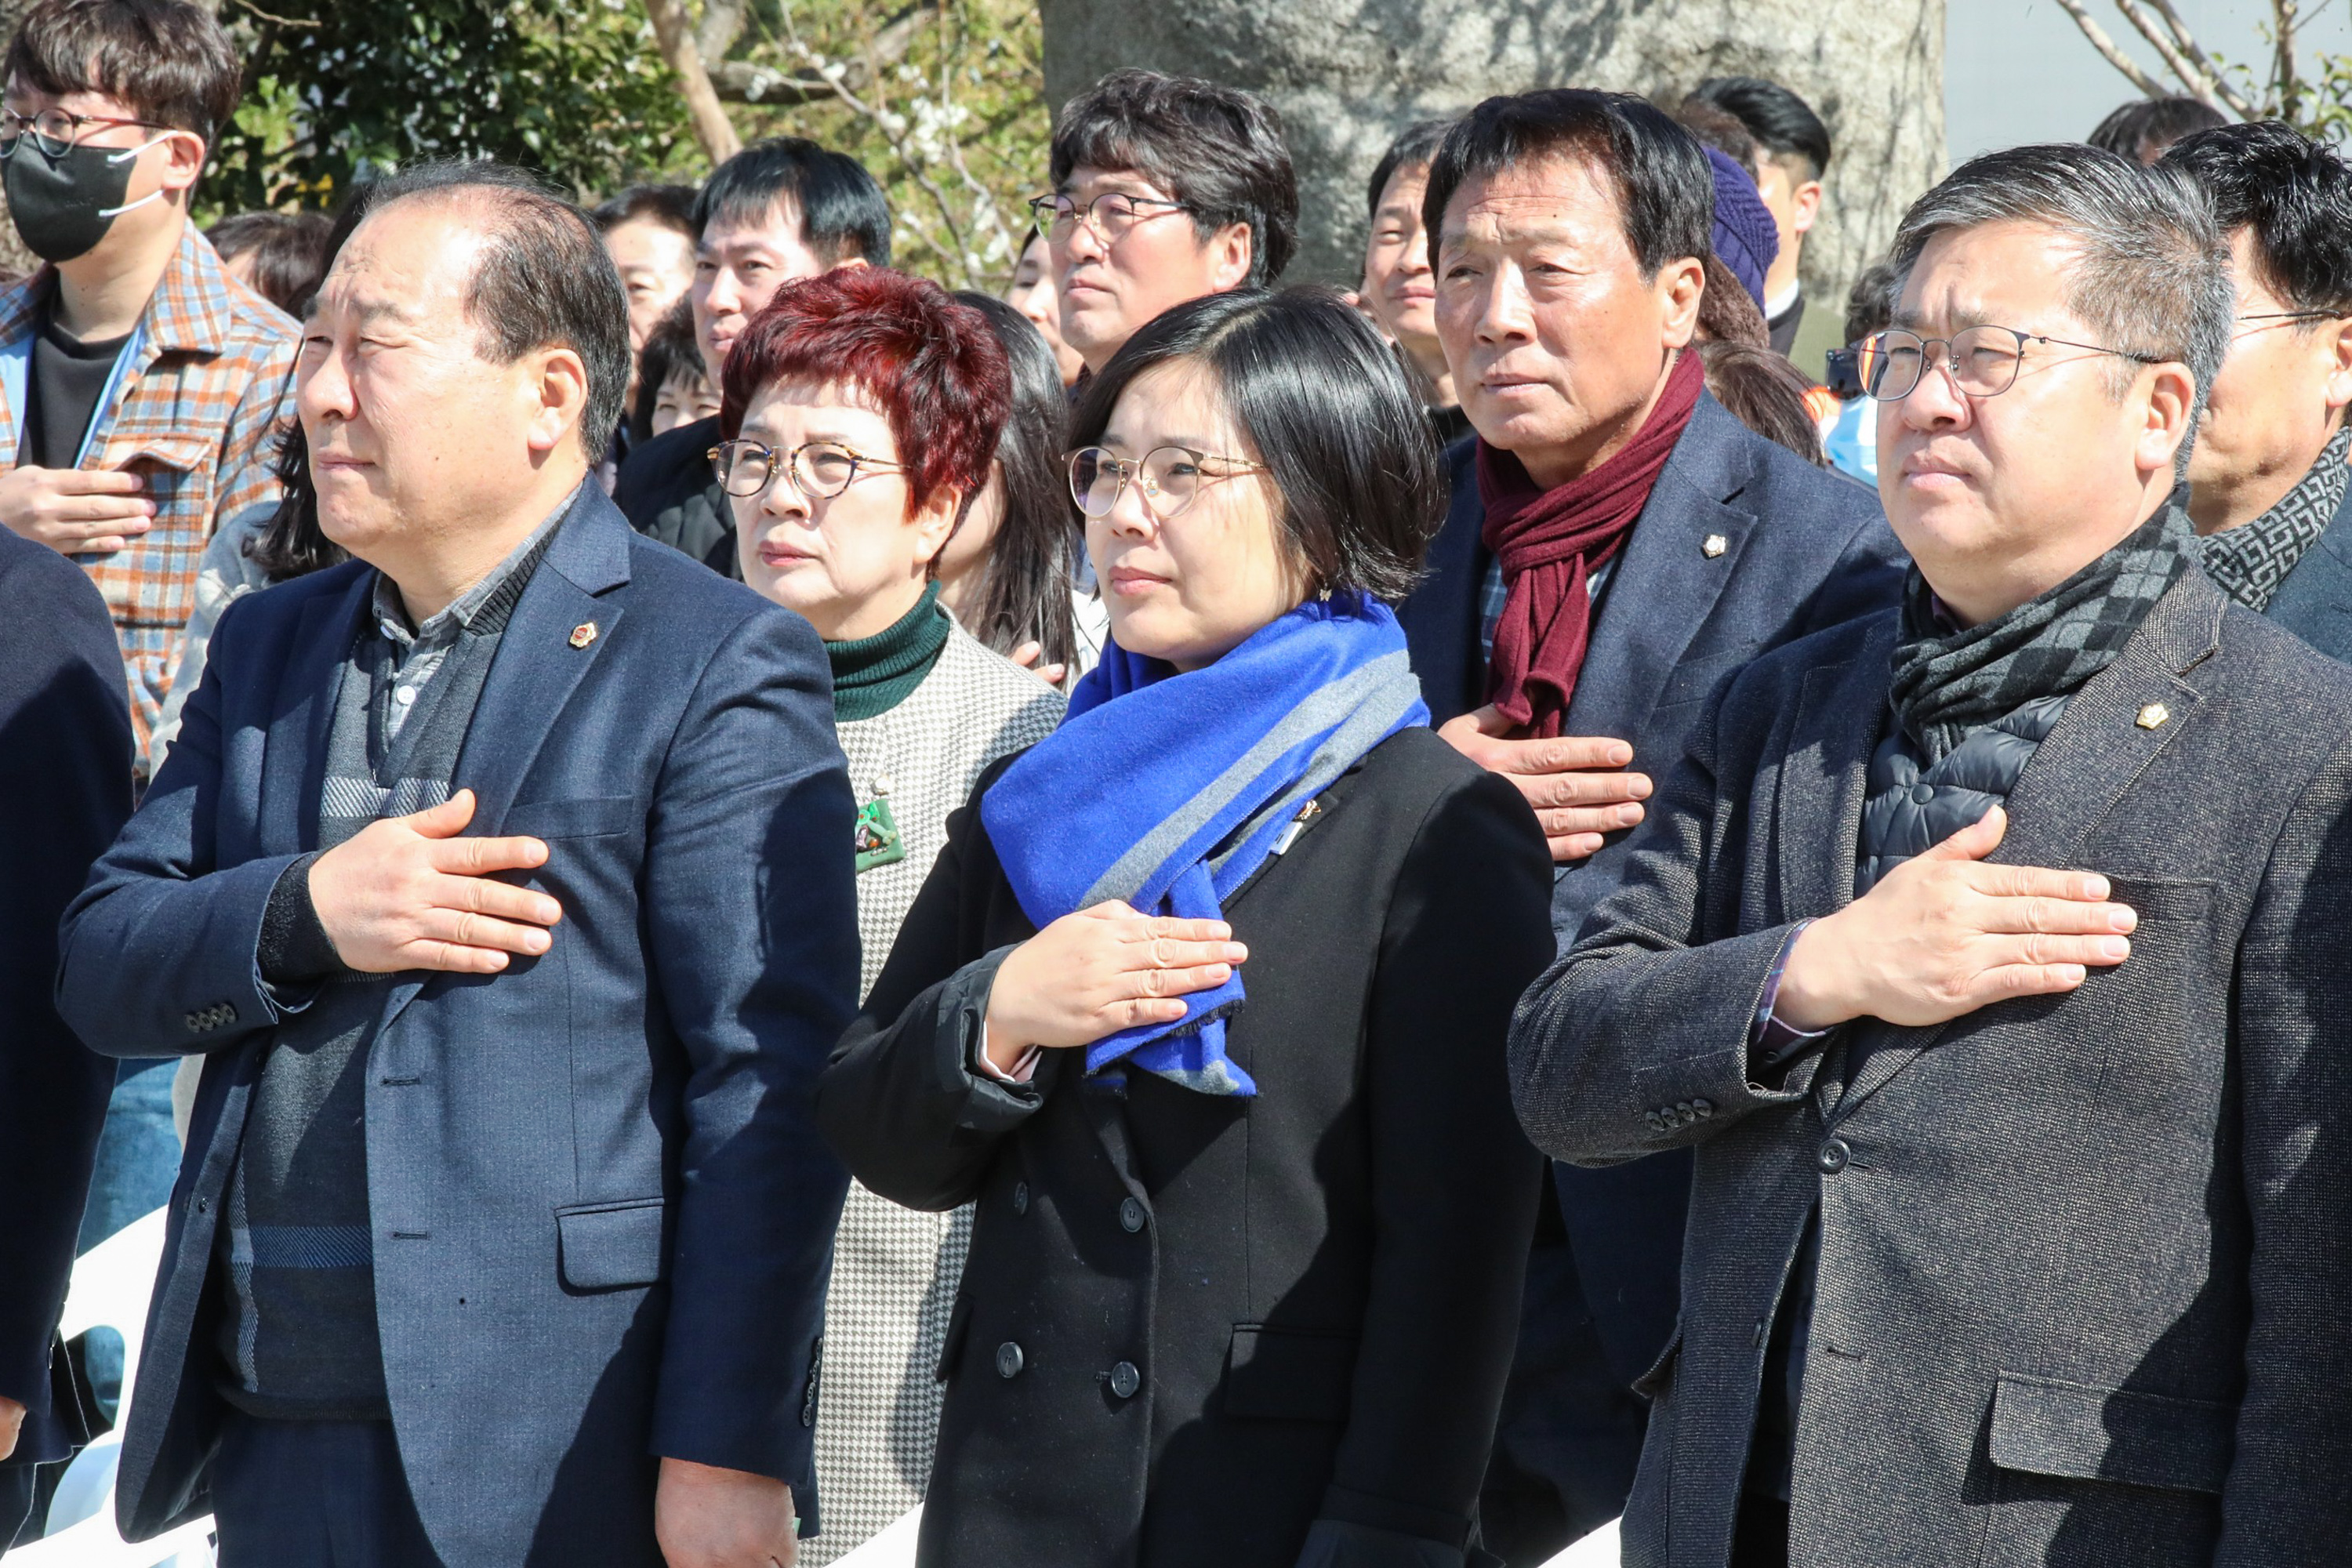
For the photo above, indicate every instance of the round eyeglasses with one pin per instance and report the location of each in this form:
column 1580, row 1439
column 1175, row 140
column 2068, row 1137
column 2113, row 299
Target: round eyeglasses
column 1170, row 477
column 820, row 469
column 1983, row 361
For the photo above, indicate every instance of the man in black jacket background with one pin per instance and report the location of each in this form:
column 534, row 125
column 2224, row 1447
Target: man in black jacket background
column 777, row 211
column 65, row 790
column 2270, row 486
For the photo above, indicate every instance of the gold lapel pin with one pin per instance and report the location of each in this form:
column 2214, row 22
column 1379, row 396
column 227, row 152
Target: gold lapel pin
column 1716, row 546
column 2152, row 716
column 583, row 634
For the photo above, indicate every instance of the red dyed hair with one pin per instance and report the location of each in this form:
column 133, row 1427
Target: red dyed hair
column 932, row 364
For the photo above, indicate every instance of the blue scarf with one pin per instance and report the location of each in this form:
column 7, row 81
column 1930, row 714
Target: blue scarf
column 1167, row 791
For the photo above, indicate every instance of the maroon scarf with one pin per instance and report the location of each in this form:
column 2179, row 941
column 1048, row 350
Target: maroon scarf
column 1550, row 540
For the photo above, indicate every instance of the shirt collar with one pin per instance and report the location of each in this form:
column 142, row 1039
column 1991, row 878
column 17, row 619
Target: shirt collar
column 392, row 615
column 191, row 310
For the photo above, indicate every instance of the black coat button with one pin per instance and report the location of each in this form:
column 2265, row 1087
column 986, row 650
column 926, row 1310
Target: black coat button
column 1124, row 1380
column 1130, row 1215
column 1008, row 1359
column 1019, row 1197
column 1835, row 1155
column 1763, row 1332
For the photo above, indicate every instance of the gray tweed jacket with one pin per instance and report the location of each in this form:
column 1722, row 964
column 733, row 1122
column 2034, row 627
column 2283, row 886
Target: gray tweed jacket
column 2084, row 1265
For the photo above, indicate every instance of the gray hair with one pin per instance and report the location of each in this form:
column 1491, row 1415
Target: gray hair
column 2154, row 278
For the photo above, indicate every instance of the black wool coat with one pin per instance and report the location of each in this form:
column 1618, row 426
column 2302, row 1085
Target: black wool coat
column 1206, row 1330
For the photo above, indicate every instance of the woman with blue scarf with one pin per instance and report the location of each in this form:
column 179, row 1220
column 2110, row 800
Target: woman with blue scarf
column 1204, row 1006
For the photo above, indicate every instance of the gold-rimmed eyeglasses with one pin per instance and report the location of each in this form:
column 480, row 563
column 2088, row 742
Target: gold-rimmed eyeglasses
column 821, row 470
column 1170, row 477
column 1983, row 361
column 1110, row 214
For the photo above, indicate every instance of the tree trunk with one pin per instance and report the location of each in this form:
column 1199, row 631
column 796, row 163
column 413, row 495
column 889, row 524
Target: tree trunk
column 674, row 31
column 1348, row 74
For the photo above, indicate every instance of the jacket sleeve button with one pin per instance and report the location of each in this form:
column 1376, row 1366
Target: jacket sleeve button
column 1008, row 1359
column 1130, row 1215
column 1124, row 1380
column 1019, row 1197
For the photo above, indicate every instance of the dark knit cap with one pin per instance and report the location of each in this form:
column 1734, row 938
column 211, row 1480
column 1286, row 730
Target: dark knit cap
column 1744, row 235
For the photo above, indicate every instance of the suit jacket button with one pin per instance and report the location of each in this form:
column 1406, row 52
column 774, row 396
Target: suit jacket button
column 1763, row 1332
column 1124, row 1380
column 1657, row 1122
column 1704, row 1107
column 1834, row 1156
column 1008, row 1359
column 1130, row 1215
column 1019, row 1197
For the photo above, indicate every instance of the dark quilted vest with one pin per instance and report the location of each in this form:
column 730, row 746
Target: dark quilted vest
column 1909, row 809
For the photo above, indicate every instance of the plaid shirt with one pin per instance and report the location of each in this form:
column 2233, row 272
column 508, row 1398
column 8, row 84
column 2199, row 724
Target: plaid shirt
column 197, row 415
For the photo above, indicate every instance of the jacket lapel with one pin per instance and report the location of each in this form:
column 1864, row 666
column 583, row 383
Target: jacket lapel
column 1665, row 583
column 2315, row 602
column 2109, row 734
column 294, row 760
column 535, row 670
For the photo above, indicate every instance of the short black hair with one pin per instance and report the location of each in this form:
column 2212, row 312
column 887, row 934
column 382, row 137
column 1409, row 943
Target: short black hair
column 2296, row 196
column 168, row 60
column 1416, row 144
column 670, row 351
column 1216, row 149
column 671, row 207
column 289, row 251
column 1782, row 123
column 1870, row 303
column 1321, row 398
column 543, row 280
column 2142, row 129
column 1025, row 582
column 844, row 213
column 1719, row 128
column 1665, row 187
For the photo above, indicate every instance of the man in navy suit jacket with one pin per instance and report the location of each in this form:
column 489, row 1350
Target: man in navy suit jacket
column 2270, row 486
column 503, row 1230
column 65, row 788
column 1568, row 232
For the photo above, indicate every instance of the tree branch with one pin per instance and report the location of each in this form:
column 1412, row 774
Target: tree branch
column 2110, row 52
column 711, row 127
column 722, row 24
column 2207, row 70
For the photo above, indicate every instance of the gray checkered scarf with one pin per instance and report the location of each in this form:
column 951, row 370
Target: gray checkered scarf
column 1948, row 682
column 2249, row 562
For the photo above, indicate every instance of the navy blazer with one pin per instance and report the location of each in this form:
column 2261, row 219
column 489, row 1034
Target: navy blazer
column 603, row 1213
column 65, row 788
column 2315, row 602
column 1742, row 546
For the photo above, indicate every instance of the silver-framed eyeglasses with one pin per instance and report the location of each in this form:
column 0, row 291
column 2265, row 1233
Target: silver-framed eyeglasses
column 1983, row 361
column 821, row 470
column 54, row 131
column 1170, row 477
column 1110, row 214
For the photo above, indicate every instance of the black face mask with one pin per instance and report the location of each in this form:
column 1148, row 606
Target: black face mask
column 63, row 206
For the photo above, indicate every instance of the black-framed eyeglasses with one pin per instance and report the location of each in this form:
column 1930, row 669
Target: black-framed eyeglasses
column 2291, row 316
column 1110, row 214
column 821, row 470
column 54, row 131
column 1983, row 362
column 1171, row 478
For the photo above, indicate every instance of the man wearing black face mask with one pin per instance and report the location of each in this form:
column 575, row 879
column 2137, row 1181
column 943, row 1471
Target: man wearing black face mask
column 142, row 388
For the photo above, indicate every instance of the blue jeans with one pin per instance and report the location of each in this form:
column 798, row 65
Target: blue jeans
column 139, row 1152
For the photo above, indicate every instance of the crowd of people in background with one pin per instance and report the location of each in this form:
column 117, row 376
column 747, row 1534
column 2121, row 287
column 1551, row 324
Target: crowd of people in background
column 728, row 895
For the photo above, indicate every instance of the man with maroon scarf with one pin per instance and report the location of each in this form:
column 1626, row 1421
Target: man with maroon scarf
column 1631, row 544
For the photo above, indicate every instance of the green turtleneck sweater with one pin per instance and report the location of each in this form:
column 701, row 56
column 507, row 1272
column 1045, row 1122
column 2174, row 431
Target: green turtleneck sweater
column 872, row 675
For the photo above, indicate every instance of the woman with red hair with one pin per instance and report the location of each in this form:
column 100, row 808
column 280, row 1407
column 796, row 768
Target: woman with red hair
column 862, row 411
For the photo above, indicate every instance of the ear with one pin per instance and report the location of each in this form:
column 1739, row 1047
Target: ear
column 2171, row 393
column 1804, row 206
column 936, row 523
column 556, row 381
column 849, row 261
column 2337, row 336
column 1678, row 286
column 1231, row 250
column 184, row 160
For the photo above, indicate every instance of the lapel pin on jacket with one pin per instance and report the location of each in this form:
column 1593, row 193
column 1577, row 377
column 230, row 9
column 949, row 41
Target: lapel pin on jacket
column 2152, row 716
column 1716, row 546
column 583, row 634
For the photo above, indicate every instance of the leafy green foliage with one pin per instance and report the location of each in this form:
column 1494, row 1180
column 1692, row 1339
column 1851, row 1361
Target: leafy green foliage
column 575, row 88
